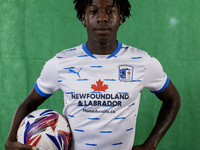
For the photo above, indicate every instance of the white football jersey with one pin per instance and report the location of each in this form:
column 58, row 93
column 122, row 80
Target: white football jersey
column 101, row 93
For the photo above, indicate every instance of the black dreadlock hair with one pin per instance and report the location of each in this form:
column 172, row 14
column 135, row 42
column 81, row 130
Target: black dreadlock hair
column 125, row 7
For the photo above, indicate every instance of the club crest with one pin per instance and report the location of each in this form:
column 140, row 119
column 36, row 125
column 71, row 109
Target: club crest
column 125, row 73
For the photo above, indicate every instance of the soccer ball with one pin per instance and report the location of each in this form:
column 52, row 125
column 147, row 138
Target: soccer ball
column 45, row 129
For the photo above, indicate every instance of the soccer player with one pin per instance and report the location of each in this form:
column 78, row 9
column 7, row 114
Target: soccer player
column 101, row 81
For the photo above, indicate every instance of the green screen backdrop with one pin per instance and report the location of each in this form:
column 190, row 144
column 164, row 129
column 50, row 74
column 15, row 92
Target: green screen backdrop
column 33, row 31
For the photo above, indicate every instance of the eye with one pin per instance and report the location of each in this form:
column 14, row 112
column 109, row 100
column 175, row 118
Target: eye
column 93, row 11
column 109, row 11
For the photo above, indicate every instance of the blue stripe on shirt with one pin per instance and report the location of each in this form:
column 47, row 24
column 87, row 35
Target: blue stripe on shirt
column 163, row 88
column 40, row 92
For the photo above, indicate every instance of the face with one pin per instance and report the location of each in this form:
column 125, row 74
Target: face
column 102, row 21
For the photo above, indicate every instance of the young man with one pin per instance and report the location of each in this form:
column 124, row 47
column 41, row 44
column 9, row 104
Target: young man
column 101, row 81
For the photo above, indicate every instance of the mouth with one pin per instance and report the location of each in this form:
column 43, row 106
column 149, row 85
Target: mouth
column 102, row 29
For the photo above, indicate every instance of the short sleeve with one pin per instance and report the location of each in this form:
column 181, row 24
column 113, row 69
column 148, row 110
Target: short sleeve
column 47, row 83
column 155, row 79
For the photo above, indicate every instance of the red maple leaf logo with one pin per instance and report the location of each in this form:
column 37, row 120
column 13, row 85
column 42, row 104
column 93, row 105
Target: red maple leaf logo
column 99, row 86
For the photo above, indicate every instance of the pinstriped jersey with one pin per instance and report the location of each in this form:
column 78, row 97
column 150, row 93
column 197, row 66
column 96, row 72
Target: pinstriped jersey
column 101, row 93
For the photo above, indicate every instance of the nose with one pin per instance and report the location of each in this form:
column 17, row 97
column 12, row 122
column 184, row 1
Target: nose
column 102, row 16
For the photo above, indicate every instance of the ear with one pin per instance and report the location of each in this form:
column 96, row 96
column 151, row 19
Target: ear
column 83, row 20
column 121, row 18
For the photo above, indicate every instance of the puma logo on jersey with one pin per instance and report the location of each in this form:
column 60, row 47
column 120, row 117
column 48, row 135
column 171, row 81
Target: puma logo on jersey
column 72, row 70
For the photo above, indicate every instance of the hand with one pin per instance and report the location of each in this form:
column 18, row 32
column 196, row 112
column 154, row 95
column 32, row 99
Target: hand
column 18, row 146
column 142, row 147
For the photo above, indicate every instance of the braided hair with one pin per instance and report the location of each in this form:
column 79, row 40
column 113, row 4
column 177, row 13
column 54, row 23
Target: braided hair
column 125, row 7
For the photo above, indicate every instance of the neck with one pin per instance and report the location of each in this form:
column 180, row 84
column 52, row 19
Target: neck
column 103, row 48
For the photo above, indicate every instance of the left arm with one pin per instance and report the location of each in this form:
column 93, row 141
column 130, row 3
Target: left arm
column 170, row 105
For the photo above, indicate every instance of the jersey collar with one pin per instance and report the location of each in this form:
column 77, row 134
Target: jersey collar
column 84, row 46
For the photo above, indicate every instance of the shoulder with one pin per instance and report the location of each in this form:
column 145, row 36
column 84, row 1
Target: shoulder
column 63, row 56
column 140, row 56
column 134, row 53
column 53, row 62
column 74, row 51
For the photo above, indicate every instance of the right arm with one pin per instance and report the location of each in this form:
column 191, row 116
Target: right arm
column 48, row 84
column 30, row 104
